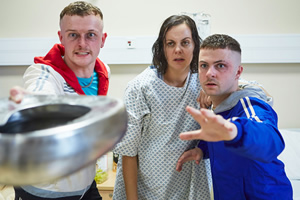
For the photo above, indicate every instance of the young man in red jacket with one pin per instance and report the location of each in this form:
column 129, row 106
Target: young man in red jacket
column 69, row 68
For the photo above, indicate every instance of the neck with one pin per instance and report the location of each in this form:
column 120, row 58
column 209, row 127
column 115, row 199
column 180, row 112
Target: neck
column 218, row 99
column 83, row 73
column 79, row 71
column 175, row 79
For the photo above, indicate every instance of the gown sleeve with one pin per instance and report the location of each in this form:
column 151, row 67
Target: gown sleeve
column 138, row 114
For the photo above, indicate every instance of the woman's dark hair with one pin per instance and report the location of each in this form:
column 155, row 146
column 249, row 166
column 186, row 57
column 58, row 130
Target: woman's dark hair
column 159, row 58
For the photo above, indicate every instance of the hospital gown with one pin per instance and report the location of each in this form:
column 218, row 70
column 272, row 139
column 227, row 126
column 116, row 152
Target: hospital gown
column 156, row 117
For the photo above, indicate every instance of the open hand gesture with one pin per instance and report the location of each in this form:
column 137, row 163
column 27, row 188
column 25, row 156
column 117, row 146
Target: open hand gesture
column 213, row 127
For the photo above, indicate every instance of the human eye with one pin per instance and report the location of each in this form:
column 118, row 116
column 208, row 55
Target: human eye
column 91, row 35
column 203, row 66
column 221, row 66
column 185, row 43
column 73, row 35
column 170, row 44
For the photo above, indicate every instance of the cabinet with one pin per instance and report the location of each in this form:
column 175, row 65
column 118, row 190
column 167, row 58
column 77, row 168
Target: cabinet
column 107, row 187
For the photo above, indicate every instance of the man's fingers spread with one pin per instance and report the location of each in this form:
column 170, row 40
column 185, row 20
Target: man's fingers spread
column 192, row 135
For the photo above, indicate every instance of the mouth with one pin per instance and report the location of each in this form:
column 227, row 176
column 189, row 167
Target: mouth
column 82, row 53
column 178, row 59
column 210, row 84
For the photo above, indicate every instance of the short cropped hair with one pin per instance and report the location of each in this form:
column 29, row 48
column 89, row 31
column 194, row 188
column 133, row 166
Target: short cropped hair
column 81, row 8
column 159, row 59
column 221, row 41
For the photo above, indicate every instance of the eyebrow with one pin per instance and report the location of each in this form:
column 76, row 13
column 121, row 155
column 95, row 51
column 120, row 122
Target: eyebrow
column 73, row 30
column 202, row 61
column 70, row 30
column 181, row 40
column 187, row 38
column 218, row 61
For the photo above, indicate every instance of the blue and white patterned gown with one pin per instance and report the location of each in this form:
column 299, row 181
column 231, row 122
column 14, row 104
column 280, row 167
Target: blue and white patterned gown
column 156, row 117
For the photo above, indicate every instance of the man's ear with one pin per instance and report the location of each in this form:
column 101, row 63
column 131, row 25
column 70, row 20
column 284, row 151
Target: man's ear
column 59, row 36
column 239, row 72
column 104, row 36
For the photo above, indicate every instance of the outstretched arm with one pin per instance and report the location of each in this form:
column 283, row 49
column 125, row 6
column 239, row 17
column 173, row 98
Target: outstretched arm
column 251, row 132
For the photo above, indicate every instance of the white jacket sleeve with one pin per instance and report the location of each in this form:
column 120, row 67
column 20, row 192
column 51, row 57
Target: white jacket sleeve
column 43, row 79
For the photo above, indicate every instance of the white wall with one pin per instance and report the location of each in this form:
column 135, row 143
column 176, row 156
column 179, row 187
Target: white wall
column 31, row 18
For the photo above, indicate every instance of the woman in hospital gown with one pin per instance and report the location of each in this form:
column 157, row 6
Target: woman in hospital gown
column 155, row 102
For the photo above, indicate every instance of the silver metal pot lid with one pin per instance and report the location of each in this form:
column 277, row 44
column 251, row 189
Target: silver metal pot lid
column 47, row 137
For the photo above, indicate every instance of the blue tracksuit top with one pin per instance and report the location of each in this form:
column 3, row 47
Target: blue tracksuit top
column 247, row 167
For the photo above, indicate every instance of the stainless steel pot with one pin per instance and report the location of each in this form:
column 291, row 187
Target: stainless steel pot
column 48, row 137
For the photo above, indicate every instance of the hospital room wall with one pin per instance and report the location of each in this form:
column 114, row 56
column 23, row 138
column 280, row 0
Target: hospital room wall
column 33, row 19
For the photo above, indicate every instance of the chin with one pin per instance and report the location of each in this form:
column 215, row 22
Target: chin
column 210, row 93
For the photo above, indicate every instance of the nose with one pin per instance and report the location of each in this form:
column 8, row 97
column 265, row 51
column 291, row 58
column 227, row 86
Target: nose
column 211, row 72
column 178, row 48
column 81, row 41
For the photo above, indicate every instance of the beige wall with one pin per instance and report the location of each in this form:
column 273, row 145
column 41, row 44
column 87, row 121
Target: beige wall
column 33, row 18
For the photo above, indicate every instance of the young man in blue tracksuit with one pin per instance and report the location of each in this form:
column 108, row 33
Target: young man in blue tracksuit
column 240, row 136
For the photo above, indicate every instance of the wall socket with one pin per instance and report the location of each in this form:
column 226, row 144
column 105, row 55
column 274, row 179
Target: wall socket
column 130, row 43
